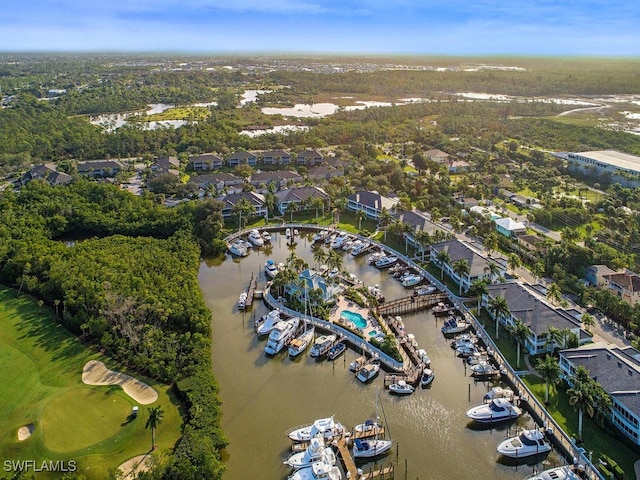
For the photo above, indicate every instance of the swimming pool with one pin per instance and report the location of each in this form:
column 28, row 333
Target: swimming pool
column 358, row 320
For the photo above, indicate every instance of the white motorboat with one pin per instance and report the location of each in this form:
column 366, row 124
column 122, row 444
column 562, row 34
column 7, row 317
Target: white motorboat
column 319, row 236
column 374, row 257
column 370, row 448
column 266, row 236
column 270, row 268
column 315, row 452
column 359, row 248
column 369, row 371
column 441, row 309
column 464, row 339
column 282, row 332
column 526, row 444
column 497, row 410
column 424, row 290
column 267, row 321
column 322, row 470
column 255, row 238
column 558, row 473
column 347, row 245
column 411, row 280
column 455, row 325
column 484, row 369
column 242, row 300
column 423, row 357
column 386, row 261
column 287, row 233
column 339, row 241
column 301, row 342
column 477, row 357
column 466, row 350
column 322, row 344
column 401, row 388
column 329, row 238
column 336, row 350
column 369, row 428
column 499, row 392
column 427, row 377
column 238, row 248
column 327, row 427
column 374, row 290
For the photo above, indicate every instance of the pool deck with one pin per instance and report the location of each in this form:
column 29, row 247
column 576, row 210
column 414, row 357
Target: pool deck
column 344, row 304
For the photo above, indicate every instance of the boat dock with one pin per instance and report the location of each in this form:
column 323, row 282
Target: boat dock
column 350, row 466
column 410, row 304
column 251, row 291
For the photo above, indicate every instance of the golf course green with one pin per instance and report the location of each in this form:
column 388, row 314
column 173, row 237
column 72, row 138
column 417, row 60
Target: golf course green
column 41, row 367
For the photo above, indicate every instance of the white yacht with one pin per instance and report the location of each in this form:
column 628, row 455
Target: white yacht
column 327, row 427
column 238, row 248
column 242, row 300
column 256, row 238
column 557, row 473
column 526, row 444
column 369, row 427
column 499, row 392
column 339, row 241
column 411, row 280
column 497, row 410
column 386, row 261
column 427, row 377
column 282, row 332
column 369, row 371
column 322, row 344
column 424, row 290
column 401, row 388
column 266, row 236
column 301, row 342
column 424, row 358
column 319, row 236
column 455, row 325
column 270, row 268
column 322, row 470
column 370, row 448
column 315, row 452
column 483, row 369
column 267, row 322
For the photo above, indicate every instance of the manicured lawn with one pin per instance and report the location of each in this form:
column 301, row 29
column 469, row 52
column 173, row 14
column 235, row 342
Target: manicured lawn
column 41, row 366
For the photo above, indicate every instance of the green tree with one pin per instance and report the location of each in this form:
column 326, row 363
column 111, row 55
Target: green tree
column 360, row 215
column 588, row 321
column 156, row 415
column 553, row 293
column 513, row 261
column 520, row 334
column 320, row 256
column 498, row 307
column 580, row 395
column 549, row 368
column 292, row 207
column 443, row 259
column 461, row 268
column 493, row 269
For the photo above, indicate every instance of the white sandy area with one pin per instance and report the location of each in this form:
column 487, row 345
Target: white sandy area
column 132, row 467
column 95, row 373
column 25, row 432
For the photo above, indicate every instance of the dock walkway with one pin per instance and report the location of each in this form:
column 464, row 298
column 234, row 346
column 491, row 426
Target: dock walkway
column 412, row 303
column 251, row 290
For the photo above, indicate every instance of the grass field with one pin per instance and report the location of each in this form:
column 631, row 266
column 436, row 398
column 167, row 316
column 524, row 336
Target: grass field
column 41, row 366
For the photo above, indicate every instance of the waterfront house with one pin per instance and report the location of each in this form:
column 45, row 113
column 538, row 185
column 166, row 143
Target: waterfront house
column 528, row 306
column 256, row 200
column 625, row 285
column 302, row 196
column 478, row 263
column 617, row 370
column 421, row 222
column 371, row 203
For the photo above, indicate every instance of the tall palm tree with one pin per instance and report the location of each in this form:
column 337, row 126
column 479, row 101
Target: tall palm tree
column 360, row 215
column 513, row 261
column 491, row 242
column 588, row 321
column 553, row 293
column 493, row 269
column 320, row 256
column 549, row 368
column 156, row 415
column 520, row 334
column 292, row 207
column 384, row 220
column 581, row 395
column 334, row 260
column 443, row 259
column 317, row 202
column 479, row 287
column 461, row 268
column 422, row 238
column 498, row 307
column 554, row 337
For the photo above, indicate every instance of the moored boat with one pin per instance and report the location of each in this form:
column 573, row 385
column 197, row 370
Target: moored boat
column 322, row 470
column 238, row 248
column 301, row 342
column 427, row 377
column 370, row 448
column 499, row 409
column 266, row 322
column 499, row 392
column 336, row 350
column 242, row 300
column 322, row 344
column 369, row 427
column 255, row 238
column 484, row 369
column 441, row 309
column 386, row 261
column 455, row 325
column 369, row 371
column 266, row 236
column 270, row 268
column 282, row 332
column 558, row 473
column 316, row 451
column 327, row 427
column 401, row 388
column 526, row 444
column 411, row 280
column 424, row 290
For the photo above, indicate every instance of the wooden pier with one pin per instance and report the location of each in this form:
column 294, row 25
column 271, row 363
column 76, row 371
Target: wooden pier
column 410, row 304
column 250, row 291
column 347, row 459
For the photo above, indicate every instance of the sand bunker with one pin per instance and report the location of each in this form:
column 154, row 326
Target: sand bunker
column 132, row 467
column 95, row 373
column 25, row 432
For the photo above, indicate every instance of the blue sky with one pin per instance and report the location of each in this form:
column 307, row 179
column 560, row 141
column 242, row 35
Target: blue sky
column 457, row 27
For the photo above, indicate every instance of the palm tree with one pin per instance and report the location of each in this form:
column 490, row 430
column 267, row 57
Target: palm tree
column 520, row 334
column 156, row 415
column 423, row 239
column 493, row 269
column 553, row 293
column 491, row 242
column 443, row 259
column 317, row 202
column 320, row 256
column 360, row 215
column 498, row 307
column 549, row 368
column 292, row 207
column 581, row 395
column 554, row 337
column 513, row 261
column 334, row 260
column 384, row 220
column 461, row 268
column 588, row 321
column 340, row 204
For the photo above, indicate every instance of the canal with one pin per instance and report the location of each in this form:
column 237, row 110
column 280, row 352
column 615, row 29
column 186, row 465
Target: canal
column 264, row 397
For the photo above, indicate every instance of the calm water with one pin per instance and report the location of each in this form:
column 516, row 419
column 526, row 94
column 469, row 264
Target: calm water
column 264, row 397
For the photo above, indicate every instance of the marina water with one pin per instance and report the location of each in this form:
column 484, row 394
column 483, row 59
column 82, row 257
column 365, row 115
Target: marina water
column 264, row 397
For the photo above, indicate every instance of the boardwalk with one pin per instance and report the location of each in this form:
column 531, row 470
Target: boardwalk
column 410, row 304
column 347, row 459
column 251, row 290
